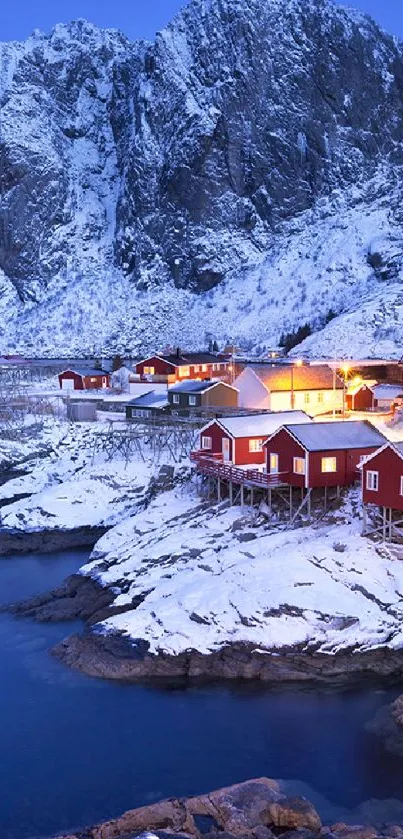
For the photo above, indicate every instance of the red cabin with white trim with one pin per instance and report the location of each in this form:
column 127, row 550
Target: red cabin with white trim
column 84, row 378
column 382, row 477
column 239, row 440
column 179, row 367
column 321, row 454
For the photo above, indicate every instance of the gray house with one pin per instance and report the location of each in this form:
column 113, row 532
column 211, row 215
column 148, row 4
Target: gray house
column 148, row 405
column 193, row 395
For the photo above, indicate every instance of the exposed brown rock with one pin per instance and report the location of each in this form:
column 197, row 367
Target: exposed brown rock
column 295, row 813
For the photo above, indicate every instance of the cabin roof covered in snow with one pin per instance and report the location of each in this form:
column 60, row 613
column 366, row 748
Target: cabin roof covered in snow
column 283, row 378
column 332, row 436
column 355, row 387
column 388, row 391
column 260, row 425
column 152, row 399
column 84, row 371
column 197, row 387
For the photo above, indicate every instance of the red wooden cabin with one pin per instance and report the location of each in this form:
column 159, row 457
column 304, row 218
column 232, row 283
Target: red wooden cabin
column 239, row 440
column 360, row 397
column 321, row 454
column 179, row 366
column 84, row 378
column 382, row 477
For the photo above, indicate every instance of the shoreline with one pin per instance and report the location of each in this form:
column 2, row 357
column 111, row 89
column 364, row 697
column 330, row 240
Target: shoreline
column 46, row 541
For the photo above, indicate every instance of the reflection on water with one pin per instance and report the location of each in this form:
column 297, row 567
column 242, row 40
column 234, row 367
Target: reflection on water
column 76, row 750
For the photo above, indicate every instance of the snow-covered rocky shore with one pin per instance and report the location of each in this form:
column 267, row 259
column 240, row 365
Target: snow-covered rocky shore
column 65, row 492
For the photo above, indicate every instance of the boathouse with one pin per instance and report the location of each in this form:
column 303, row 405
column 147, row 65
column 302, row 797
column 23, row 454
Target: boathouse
column 321, row 454
column 239, row 440
column 382, row 491
column 360, row 396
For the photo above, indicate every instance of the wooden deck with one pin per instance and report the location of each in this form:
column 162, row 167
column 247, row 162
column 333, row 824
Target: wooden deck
column 213, row 466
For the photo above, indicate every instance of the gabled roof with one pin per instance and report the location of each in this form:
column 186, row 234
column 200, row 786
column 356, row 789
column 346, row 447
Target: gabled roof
column 355, row 388
column 258, row 425
column 85, row 371
column 284, row 377
column 396, row 447
column 185, row 359
column 388, row 391
column 150, row 400
column 334, row 436
column 192, row 386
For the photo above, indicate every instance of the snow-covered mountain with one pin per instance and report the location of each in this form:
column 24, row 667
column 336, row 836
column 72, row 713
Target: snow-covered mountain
column 237, row 178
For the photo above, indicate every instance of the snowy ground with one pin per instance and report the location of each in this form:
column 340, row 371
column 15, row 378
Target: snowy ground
column 213, row 576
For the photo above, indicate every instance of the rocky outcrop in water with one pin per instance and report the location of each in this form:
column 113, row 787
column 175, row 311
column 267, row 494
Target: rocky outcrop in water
column 256, row 809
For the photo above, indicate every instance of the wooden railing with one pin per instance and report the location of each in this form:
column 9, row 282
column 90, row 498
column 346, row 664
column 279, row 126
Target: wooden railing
column 212, row 464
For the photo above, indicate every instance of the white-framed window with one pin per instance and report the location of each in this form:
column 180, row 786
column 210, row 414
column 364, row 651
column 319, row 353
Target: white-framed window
column 196, row 368
column 176, row 398
column 204, row 368
column 307, row 398
column 321, row 397
column 149, row 371
column 207, row 443
column 372, row 482
column 363, row 457
column 255, row 446
column 192, row 401
column 329, row 464
column 299, row 465
column 273, row 463
column 184, row 371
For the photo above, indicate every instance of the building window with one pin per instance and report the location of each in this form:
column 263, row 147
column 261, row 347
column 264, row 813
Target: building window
column 372, row 481
column 307, row 398
column 204, row 368
column 273, row 464
column 299, row 465
column 255, row 446
column 184, row 371
column 196, row 368
column 321, row 398
column 329, row 464
column 93, row 380
column 176, row 398
column 192, row 401
column 207, row 442
column 149, row 371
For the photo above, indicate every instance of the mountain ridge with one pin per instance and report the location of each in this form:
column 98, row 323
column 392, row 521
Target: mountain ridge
column 166, row 189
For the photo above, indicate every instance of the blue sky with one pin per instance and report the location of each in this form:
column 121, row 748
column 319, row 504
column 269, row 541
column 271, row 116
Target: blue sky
column 138, row 18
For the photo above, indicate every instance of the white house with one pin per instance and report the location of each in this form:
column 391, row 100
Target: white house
column 316, row 390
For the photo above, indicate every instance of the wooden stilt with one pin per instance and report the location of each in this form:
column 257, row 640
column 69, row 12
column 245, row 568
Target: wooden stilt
column 252, row 498
column 290, row 503
column 338, row 493
column 364, row 519
column 270, row 501
column 384, row 523
column 325, row 499
column 390, row 524
column 231, row 493
column 242, row 496
column 309, row 507
column 218, row 489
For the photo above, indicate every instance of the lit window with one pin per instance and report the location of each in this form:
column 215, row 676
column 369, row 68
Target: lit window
column 204, row 368
column 307, row 398
column 255, row 445
column 92, row 381
column 299, row 465
column 196, row 368
column 192, row 400
column 149, row 371
column 176, row 398
column 372, row 481
column 273, row 463
column 321, row 399
column 207, row 442
column 329, row 464
column 184, row 371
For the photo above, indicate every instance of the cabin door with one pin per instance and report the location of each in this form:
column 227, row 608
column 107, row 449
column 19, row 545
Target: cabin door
column 273, row 464
column 67, row 384
column 225, row 449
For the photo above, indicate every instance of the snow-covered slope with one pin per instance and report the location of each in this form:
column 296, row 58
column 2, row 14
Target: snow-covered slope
column 237, row 178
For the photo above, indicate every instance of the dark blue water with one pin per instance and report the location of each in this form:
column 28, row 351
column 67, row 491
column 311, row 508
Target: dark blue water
column 74, row 750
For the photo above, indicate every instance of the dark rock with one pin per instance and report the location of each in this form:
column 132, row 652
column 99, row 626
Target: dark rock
column 46, row 541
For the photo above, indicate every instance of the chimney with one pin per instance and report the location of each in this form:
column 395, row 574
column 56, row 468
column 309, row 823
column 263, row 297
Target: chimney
column 178, row 352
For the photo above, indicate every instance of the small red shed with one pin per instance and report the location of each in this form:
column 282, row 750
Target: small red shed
column 239, row 440
column 382, row 477
column 321, row 454
column 360, row 397
column 84, row 378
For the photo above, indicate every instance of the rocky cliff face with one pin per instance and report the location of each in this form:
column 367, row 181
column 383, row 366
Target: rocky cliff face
column 215, row 163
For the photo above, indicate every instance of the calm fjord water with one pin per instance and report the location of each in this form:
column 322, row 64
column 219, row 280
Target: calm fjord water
column 74, row 750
